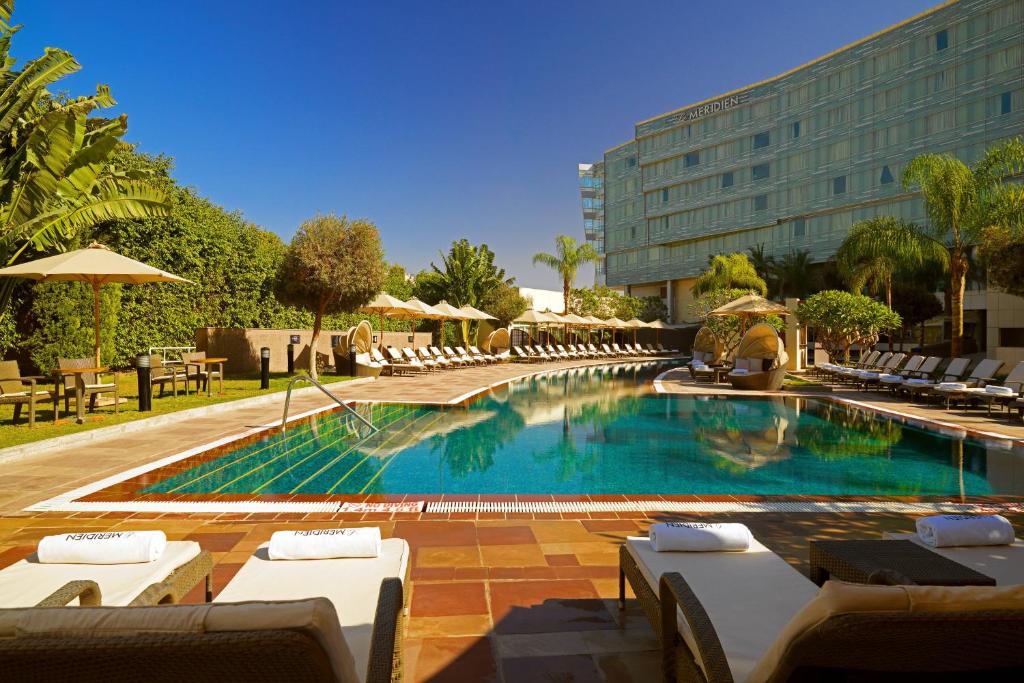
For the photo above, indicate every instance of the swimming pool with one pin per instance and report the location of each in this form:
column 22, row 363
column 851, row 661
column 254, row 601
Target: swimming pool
column 602, row 430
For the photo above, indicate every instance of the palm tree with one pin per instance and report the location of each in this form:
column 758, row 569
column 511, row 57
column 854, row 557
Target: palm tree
column 55, row 173
column 764, row 264
column 570, row 256
column 793, row 275
column 730, row 271
column 961, row 202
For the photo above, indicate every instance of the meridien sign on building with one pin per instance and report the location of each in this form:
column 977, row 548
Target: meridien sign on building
column 713, row 107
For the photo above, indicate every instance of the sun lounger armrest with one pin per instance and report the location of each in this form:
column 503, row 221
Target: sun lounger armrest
column 890, row 577
column 87, row 592
column 386, row 642
column 182, row 580
column 675, row 594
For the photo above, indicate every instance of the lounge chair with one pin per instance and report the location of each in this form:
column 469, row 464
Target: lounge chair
column 424, row 354
column 306, row 621
column 411, row 357
column 982, row 374
column 923, row 386
column 833, row 369
column 609, row 352
column 761, row 359
column 387, row 368
column 462, row 357
column 540, row 352
column 992, row 393
column 748, row 616
column 598, row 353
column 1004, row 563
column 661, row 348
column 852, row 374
column 201, row 372
column 477, row 353
column 160, row 374
column 439, row 355
column 21, row 391
column 93, row 383
column 402, row 365
column 923, row 370
column 29, row 583
column 520, row 356
column 585, row 352
column 868, row 378
column 621, row 350
column 567, row 352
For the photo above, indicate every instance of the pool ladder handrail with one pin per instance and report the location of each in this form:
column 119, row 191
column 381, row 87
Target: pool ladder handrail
column 321, row 387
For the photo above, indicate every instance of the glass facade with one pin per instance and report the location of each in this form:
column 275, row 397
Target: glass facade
column 591, row 179
column 792, row 162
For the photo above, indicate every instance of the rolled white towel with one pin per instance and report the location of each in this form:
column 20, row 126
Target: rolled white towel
column 699, row 537
column 739, row 371
column 102, row 547
column 867, row 374
column 918, row 380
column 323, row 544
column 941, row 531
column 952, row 386
column 891, row 379
column 999, row 391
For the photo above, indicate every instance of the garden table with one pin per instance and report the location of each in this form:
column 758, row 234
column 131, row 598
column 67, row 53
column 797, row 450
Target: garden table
column 219, row 362
column 857, row 561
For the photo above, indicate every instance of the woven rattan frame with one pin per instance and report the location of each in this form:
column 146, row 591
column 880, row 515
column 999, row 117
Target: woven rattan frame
column 180, row 582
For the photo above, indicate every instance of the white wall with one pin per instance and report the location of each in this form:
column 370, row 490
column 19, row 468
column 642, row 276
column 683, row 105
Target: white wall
column 544, row 299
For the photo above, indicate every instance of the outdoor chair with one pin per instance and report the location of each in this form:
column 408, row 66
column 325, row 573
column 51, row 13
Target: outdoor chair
column 597, row 353
column 868, row 378
column 832, row 369
column 399, row 365
column 852, row 374
column 567, row 352
column 922, row 387
column 761, row 359
column 461, row 357
column 667, row 351
column 199, row 371
column 585, row 352
column 474, row 352
column 1004, row 563
column 991, row 393
column 302, row 621
column 28, row 582
column 924, row 369
column 386, row 367
column 22, row 391
column 982, row 374
column 411, row 358
column 93, row 384
column 160, row 374
column 610, row 352
column 424, row 354
column 522, row 357
column 539, row 352
column 438, row 355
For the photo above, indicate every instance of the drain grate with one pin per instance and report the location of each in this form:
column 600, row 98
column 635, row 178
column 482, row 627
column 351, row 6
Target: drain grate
column 698, row 506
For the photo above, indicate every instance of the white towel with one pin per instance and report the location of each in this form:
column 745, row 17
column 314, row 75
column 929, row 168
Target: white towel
column 699, row 536
column 891, row 379
column 999, row 391
column 739, row 371
column 102, row 547
column 952, row 386
column 942, row 531
column 323, row 544
column 917, row 380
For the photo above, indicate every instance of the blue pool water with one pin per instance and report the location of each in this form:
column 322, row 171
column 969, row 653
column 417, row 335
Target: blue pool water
column 602, row 431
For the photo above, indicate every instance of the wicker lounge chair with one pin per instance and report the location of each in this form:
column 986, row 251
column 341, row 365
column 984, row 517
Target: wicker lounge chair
column 724, row 617
column 400, row 365
column 30, row 583
column 1004, row 563
column 477, row 353
column 761, row 359
column 22, row 391
column 411, row 358
column 93, row 383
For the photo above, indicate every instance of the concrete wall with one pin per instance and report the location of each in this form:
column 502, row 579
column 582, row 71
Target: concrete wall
column 1004, row 311
column 544, row 299
column 242, row 346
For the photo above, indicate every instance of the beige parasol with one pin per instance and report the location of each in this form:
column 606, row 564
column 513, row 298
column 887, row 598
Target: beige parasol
column 96, row 265
column 635, row 324
column 658, row 326
column 476, row 313
column 749, row 306
column 534, row 318
column 452, row 312
column 573, row 320
column 386, row 305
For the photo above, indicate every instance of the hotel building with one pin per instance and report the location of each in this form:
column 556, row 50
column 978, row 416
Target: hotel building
column 793, row 161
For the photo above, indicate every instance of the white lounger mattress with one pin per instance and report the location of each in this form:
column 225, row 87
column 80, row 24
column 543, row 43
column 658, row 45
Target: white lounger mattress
column 351, row 584
column 26, row 583
column 750, row 596
column 1004, row 563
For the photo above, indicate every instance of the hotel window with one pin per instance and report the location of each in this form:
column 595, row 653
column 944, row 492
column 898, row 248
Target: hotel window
column 1005, row 103
column 799, row 227
column 727, row 179
column 796, row 129
column 631, row 162
column 664, row 195
column 886, row 177
column 691, row 159
column 760, row 202
column 941, row 40
column 839, row 185
column 759, row 172
column 761, row 140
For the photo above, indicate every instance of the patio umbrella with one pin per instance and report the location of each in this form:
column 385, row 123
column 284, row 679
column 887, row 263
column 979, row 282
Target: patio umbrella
column 636, row 324
column 574, row 320
column 615, row 324
column 476, row 313
column 749, row 306
column 96, row 265
column 419, row 310
column 593, row 322
column 386, row 305
column 533, row 318
column 658, row 326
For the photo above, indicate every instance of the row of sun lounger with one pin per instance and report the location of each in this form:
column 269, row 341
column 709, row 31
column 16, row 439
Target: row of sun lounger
column 432, row 358
column 920, row 379
column 538, row 353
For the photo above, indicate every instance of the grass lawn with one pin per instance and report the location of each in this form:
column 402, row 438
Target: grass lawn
column 234, row 389
column 800, row 382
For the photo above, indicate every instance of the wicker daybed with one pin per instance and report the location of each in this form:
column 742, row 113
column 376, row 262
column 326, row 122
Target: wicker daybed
column 360, row 336
column 761, row 359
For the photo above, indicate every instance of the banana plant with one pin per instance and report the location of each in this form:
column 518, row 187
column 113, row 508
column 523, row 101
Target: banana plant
column 56, row 178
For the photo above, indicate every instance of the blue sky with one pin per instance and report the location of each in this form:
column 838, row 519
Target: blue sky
column 436, row 120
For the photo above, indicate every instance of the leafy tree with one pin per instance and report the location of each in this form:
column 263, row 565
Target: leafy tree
column 793, row 275
column 727, row 329
column 653, row 309
column 397, row 282
column 842, row 319
column 333, row 264
column 1003, row 252
column 505, row 303
column 568, row 257
column 467, row 273
column 961, row 202
column 879, row 250
column 63, row 325
column 628, row 307
column 55, row 175
column 730, row 271
column 915, row 305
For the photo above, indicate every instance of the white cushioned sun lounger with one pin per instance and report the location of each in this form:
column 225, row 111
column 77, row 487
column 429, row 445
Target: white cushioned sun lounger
column 749, row 596
column 351, row 584
column 26, row 583
column 1004, row 563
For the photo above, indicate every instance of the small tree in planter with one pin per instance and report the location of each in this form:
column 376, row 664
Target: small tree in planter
column 333, row 265
column 841, row 319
